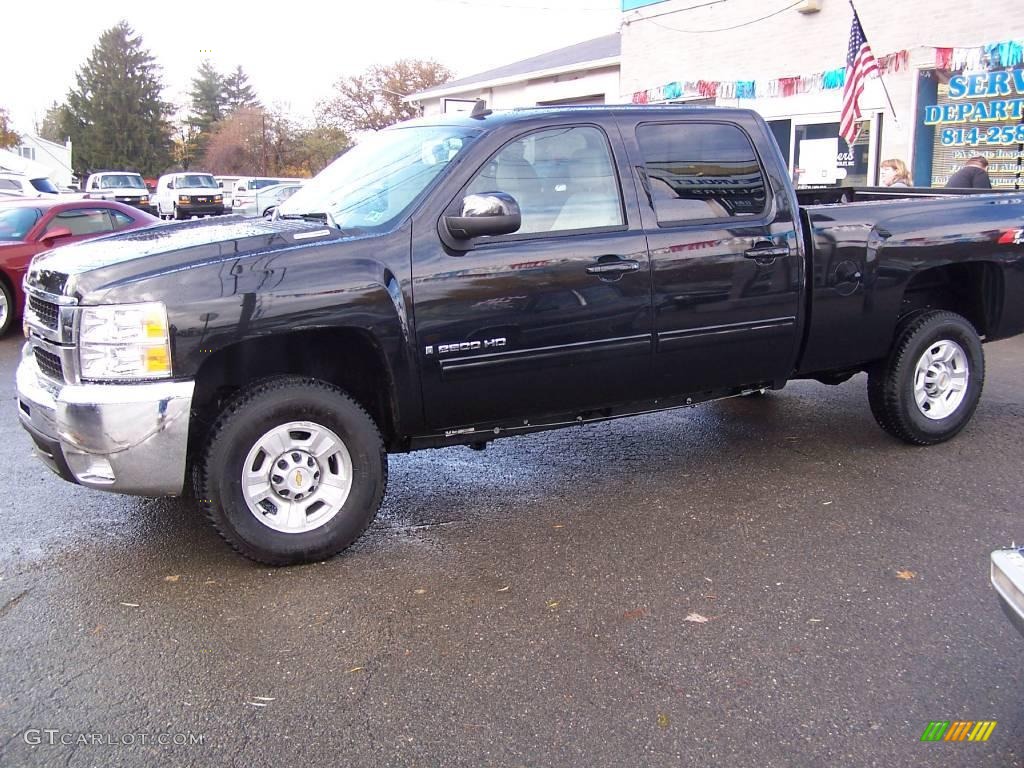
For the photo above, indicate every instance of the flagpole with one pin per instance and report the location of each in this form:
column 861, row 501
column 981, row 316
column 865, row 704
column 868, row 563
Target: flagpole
column 881, row 79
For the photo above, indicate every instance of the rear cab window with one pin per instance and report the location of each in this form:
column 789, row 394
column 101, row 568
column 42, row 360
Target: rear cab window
column 701, row 171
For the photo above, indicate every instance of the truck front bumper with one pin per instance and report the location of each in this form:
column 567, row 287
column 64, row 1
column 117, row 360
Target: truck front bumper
column 125, row 438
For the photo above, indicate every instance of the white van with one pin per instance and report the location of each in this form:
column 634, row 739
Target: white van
column 182, row 195
column 122, row 186
column 227, row 188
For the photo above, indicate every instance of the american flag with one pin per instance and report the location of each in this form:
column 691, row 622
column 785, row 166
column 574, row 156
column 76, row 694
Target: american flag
column 860, row 64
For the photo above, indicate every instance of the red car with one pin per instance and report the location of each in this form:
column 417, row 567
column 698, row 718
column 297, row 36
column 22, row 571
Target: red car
column 30, row 226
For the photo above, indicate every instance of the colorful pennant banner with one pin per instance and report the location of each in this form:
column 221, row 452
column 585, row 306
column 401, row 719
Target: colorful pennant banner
column 993, row 56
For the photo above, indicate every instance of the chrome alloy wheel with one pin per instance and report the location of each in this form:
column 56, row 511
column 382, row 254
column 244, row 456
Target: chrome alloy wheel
column 940, row 379
column 297, row 477
column 4, row 308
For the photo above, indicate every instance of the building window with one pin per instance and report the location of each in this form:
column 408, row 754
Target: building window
column 28, row 153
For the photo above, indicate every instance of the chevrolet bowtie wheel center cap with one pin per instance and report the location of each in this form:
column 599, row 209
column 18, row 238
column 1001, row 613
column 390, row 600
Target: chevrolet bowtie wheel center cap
column 295, row 475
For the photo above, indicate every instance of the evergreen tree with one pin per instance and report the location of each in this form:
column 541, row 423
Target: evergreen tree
column 238, row 94
column 208, row 107
column 115, row 116
column 207, row 96
column 52, row 126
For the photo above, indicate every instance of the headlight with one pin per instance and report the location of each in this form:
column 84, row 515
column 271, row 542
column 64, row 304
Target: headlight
column 183, row 199
column 218, row 199
column 143, row 200
column 126, row 341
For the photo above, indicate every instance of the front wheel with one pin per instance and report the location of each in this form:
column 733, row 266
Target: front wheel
column 928, row 388
column 294, row 472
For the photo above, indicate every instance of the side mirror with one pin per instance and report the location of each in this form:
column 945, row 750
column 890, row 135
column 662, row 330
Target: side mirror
column 489, row 213
column 56, row 234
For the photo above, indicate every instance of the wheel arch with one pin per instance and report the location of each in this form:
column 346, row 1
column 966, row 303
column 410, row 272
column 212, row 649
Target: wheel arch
column 347, row 357
column 974, row 289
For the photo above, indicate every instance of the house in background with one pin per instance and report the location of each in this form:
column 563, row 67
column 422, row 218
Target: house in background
column 585, row 73
column 36, row 155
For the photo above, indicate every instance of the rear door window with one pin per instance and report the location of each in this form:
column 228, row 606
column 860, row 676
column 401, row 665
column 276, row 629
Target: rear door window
column 120, row 220
column 699, row 171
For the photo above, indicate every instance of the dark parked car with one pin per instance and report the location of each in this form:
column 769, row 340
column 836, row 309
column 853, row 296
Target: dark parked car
column 30, row 226
column 460, row 279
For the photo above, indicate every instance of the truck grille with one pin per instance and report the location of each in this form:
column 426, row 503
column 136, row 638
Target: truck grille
column 49, row 364
column 45, row 311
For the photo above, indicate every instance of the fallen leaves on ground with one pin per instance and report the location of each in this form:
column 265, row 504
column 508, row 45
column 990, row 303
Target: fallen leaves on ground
column 697, row 618
column 419, row 591
column 662, row 720
column 354, row 669
column 130, row 605
column 176, row 577
column 636, row 613
column 552, row 604
column 905, row 575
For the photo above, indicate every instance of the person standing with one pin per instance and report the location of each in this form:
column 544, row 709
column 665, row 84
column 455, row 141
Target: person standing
column 894, row 173
column 973, row 175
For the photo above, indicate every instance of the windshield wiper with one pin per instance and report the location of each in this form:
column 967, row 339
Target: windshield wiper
column 323, row 217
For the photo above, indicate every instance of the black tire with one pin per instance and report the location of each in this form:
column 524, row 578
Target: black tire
column 177, row 216
column 217, row 475
column 891, row 382
column 7, row 301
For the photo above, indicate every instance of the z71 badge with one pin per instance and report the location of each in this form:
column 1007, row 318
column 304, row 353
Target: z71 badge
column 467, row 346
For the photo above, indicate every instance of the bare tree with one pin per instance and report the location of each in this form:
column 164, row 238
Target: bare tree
column 8, row 137
column 373, row 100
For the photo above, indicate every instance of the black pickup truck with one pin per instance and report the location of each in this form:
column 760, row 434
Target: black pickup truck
column 456, row 280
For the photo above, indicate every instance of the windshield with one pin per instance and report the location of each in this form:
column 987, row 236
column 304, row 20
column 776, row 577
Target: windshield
column 122, row 182
column 195, row 180
column 373, row 184
column 15, row 223
column 43, row 184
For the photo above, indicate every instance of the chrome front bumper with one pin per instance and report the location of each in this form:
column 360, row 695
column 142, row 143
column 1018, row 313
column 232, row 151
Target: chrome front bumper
column 1008, row 580
column 125, row 438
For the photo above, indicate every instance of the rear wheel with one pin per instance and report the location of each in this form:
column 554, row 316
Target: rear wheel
column 928, row 388
column 294, row 472
column 6, row 308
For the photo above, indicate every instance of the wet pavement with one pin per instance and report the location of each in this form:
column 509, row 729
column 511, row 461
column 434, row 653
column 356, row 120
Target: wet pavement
column 765, row 581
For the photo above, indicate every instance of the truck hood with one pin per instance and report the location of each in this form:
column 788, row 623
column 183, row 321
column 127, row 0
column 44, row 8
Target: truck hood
column 80, row 268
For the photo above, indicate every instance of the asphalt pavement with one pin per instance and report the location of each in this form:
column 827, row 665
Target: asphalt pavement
column 758, row 582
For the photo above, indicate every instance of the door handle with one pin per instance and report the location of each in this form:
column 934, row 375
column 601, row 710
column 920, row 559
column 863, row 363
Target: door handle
column 767, row 252
column 613, row 267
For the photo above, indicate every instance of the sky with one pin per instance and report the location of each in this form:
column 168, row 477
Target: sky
column 292, row 51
